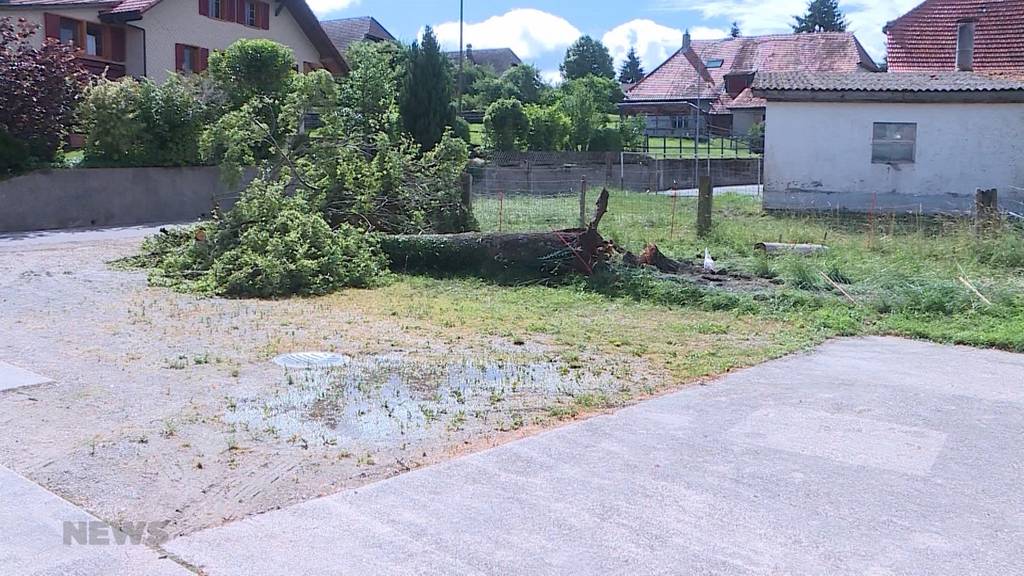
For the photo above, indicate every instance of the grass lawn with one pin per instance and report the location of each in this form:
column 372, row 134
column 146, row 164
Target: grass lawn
column 476, row 134
column 684, row 148
column 904, row 274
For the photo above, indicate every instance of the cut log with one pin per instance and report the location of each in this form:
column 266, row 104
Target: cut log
column 782, row 248
column 652, row 256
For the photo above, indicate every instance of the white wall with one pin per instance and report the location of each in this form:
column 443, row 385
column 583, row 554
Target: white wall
column 178, row 22
column 826, row 148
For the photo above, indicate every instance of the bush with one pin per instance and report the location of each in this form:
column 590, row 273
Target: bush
column 607, row 139
column 139, row 123
column 756, row 137
column 40, row 87
column 506, row 124
column 252, row 67
column 14, row 156
column 549, row 128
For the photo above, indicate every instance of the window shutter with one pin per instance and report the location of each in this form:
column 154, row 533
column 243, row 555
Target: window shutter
column 117, row 44
column 204, row 59
column 239, row 11
column 228, row 10
column 179, row 57
column 263, row 15
column 204, row 7
column 52, row 25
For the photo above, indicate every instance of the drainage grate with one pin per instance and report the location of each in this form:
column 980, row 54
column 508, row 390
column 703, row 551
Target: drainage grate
column 309, row 360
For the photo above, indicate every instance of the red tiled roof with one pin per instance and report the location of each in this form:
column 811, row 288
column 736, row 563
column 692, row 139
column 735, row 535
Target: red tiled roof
column 746, row 99
column 925, row 37
column 134, row 6
column 677, row 78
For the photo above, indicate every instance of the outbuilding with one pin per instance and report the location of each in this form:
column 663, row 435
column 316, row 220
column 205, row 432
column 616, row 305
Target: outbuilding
column 895, row 142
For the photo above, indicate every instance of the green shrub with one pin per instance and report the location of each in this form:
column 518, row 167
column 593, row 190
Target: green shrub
column 14, row 155
column 506, row 124
column 462, row 130
column 252, row 67
column 606, row 139
column 549, row 128
column 111, row 118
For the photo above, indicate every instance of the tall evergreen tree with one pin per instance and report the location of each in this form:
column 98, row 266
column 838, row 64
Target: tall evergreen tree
column 426, row 103
column 632, row 71
column 735, row 30
column 822, row 16
column 587, row 57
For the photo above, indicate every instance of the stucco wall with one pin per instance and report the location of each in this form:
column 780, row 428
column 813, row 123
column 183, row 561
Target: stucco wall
column 818, row 156
column 88, row 197
column 178, row 22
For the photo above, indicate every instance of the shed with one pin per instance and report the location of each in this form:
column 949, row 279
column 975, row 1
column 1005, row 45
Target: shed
column 897, row 142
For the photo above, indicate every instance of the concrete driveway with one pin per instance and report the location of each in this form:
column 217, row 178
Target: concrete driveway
column 868, row 456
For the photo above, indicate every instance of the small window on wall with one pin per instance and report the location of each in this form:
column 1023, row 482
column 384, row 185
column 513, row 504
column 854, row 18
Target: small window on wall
column 251, row 18
column 70, row 32
column 94, row 40
column 188, row 59
column 894, row 143
column 217, row 9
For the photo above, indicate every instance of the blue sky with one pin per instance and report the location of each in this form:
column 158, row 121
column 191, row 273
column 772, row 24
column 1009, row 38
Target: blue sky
column 540, row 30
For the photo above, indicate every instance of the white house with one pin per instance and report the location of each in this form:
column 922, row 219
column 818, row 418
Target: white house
column 897, row 142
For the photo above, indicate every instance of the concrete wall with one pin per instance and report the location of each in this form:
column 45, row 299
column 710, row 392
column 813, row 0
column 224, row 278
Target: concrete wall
column 178, row 22
column 818, row 156
column 640, row 176
column 88, row 197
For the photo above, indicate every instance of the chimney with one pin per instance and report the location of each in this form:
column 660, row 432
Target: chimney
column 686, row 40
column 965, row 46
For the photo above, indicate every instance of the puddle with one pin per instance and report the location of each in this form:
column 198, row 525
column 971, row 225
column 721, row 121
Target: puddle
column 389, row 399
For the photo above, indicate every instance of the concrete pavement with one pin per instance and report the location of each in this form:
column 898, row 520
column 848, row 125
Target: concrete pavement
column 868, row 456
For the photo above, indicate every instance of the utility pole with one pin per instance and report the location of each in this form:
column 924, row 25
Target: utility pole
column 462, row 53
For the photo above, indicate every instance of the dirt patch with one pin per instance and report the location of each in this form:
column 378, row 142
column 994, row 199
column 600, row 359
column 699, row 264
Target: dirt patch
column 167, row 406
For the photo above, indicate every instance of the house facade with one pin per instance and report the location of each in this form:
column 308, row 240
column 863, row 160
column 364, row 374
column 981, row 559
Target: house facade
column 966, row 35
column 714, row 77
column 155, row 38
column 897, row 142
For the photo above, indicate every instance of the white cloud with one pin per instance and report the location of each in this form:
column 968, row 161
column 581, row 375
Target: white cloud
column 322, row 7
column 866, row 17
column 527, row 31
column 654, row 43
column 552, row 77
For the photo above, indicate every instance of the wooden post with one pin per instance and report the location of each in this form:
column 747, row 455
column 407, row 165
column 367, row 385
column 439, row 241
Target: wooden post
column 705, row 193
column 467, row 191
column 583, row 202
column 986, row 210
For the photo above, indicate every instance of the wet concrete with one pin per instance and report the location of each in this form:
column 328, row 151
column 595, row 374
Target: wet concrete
column 866, row 457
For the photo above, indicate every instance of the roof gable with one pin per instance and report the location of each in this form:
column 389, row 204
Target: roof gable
column 925, row 38
column 344, row 32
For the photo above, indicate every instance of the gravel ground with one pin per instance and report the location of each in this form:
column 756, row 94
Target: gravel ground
column 166, row 406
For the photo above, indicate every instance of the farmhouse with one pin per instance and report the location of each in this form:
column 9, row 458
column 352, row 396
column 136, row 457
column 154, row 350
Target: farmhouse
column 344, row 32
column 898, row 142
column 153, row 38
column 715, row 76
column 965, row 35
column 500, row 59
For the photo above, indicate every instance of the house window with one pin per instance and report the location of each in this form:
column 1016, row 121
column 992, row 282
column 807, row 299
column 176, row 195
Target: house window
column 188, row 59
column 965, row 47
column 716, row 63
column 894, row 143
column 70, row 32
column 217, row 9
column 94, row 40
column 250, row 14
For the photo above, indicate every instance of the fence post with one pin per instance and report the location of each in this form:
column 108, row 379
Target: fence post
column 583, row 202
column 705, row 193
column 467, row 191
column 986, row 210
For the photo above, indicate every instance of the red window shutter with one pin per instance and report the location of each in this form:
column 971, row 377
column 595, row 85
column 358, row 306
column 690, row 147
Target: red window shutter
column 117, row 44
column 240, row 11
column 179, row 57
column 204, row 59
column 204, row 7
column 263, row 15
column 228, row 10
column 52, row 25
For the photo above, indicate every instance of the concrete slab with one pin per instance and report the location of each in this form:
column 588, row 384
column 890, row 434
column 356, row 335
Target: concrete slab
column 13, row 377
column 866, row 457
column 33, row 543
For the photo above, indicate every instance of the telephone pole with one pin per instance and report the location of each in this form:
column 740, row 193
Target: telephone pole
column 462, row 53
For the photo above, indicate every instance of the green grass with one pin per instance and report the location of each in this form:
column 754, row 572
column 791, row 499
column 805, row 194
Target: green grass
column 476, row 134
column 904, row 273
column 684, row 148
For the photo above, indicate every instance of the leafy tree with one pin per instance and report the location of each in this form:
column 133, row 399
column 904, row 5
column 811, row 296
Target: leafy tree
column 549, row 128
column 607, row 93
column 821, row 16
column 252, row 67
column 506, row 124
column 40, row 87
column 371, row 88
column 490, row 89
column 581, row 105
column 527, row 82
column 587, row 56
column 632, row 71
column 735, row 32
column 426, row 102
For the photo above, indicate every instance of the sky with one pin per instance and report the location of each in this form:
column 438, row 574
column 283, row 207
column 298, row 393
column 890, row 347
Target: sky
column 540, row 30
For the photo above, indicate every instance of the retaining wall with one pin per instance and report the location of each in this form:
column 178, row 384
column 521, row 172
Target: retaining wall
column 98, row 197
